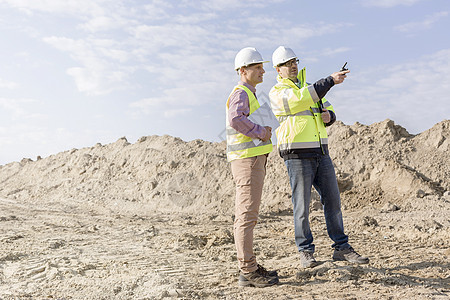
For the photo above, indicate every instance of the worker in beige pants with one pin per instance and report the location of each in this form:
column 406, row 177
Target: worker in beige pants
column 248, row 174
column 248, row 145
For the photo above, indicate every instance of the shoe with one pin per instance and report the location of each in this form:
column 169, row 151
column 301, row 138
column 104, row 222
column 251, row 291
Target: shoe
column 266, row 272
column 350, row 255
column 258, row 278
column 307, row 259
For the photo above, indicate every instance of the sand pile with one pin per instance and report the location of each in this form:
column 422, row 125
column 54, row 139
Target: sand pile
column 153, row 220
column 383, row 162
column 162, row 172
column 375, row 164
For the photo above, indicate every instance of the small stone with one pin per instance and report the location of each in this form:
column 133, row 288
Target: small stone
column 142, row 139
column 124, row 141
column 153, row 184
column 389, row 207
column 26, row 160
column 420, row 194
column 57, row 244
column 316, row 205
column 173, row 293
column 173, row 164
column 370, row 221
column 191, row 155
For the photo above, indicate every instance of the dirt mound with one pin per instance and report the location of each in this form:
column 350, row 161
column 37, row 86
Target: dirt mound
column 161, row 171
column 383, row 162
column 375, row 164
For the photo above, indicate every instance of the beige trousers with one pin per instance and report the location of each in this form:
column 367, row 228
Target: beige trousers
column 248, row 174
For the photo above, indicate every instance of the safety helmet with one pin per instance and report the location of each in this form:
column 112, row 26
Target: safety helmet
column 246, row 57
column 282, row 55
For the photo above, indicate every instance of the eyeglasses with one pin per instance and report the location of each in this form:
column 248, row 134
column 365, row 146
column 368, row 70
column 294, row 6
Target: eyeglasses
column 289, row 63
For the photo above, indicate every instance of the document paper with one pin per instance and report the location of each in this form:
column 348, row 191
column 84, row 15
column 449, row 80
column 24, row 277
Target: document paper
column 264, row 116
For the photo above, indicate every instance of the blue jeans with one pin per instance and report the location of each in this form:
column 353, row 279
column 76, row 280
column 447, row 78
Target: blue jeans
column 318, row 172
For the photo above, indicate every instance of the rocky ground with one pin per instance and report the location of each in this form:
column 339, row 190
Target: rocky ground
column 153, row 220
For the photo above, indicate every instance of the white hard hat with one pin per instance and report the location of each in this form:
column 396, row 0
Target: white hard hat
column 282, row 55
column 246, row 57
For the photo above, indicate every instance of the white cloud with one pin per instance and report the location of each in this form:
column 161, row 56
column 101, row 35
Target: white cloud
column 389, row 3
column 176, row 112
column 158, row 10
column 73, row 7
column 100, row 23
column 18, row 109
column 427, row 23
column 315, row 55
column 195, row 18
column 231, row 5
column 332, row 52
column 4, row 84
column 103, row 69
column 147, row 102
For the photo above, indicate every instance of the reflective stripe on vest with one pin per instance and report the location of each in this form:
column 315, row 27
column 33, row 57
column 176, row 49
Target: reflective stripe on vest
column 246, row 145
column 303, row 145
column 239, row 145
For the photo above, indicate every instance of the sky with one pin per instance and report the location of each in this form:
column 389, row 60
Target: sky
column 75, row 73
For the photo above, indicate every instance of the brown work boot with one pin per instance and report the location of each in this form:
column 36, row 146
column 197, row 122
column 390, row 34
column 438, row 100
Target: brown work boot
column 267, row 273
column 259, row 278
column 350, row 255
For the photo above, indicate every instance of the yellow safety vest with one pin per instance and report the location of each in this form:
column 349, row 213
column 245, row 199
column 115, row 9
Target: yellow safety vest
column 297, row 110
column 239, row 145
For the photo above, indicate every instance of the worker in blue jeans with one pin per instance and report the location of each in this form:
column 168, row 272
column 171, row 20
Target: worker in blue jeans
column 304, row 114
